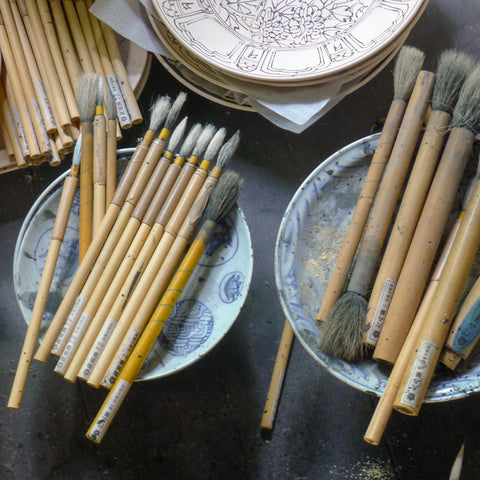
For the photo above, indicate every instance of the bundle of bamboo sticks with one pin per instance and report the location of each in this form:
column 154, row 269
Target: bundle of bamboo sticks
column 46, row 48
column 136, row 250
column 409, row 271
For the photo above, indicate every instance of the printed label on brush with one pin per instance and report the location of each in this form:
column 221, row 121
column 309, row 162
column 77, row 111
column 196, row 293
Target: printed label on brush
column 122, row 355
column 69, row 325
column 110, row 408
column 46, row 104
column 43, row 130
column 11, row 121
column 73, row 342
column 102, row 339
column 122, row 113
column 418, row 373
column 20, row 130
column 381, row 311
column 121, row 85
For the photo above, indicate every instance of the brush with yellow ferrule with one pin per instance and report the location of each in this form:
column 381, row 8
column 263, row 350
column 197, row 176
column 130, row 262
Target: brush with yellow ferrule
column 384, row 407
column 147, row 289
column 125, row 252
column 406, row 69
column 342, row 330
column 428, row 346
column 99, row 160
column 159, row 112
column 111, row 161
column 126, row 225
column 452, row 70
column 432, row 222
column 223, row 199
column 128, row 274
column 86, row 99
column 63, row 214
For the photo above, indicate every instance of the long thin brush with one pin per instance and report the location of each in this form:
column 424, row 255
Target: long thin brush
column 158, row 114
column 86, row 100
column 452, row 70
column 61, row 220
column 111, row 161
column 221, row 202
column 406, row 69
column 342, row 332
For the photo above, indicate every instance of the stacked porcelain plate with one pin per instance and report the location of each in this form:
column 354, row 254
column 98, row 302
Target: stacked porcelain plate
column 235, row 50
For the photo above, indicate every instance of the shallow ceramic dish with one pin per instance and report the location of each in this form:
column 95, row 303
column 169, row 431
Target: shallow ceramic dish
column 309, row 239
column 289, row 40
column 205, row 312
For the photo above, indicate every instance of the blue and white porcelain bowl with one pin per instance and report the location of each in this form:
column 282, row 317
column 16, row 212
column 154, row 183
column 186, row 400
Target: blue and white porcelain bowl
column 310, row 237
column 206, row 310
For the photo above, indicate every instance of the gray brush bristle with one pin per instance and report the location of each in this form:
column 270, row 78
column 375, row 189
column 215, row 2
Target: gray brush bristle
column 158, row 112
column 453, row 68
column 228, row 150
column 203, row 139
column 343, row 328
column 408, row 64
column 224, row 196
column 467, row 110
column 175, row 110
column 215, row 144
column 190, row 141
column 177, row 135
column 87, row 96
column 100, row 91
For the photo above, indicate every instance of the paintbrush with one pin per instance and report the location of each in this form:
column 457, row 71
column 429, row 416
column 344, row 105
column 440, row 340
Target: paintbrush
column 111, row 161
column 406, row 69
column 452, row 69
column 342, row 331
column 86, row 99
column 117, row 293
column 151, row 284
column 130, row 242
column 148, row 178
column 223, row 199
column 99, row 160
column 431, row 225
column 63, row 213
column 159, row 111
column 438, row 320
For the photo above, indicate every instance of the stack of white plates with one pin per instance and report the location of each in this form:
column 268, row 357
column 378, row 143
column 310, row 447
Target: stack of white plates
column 224, row 49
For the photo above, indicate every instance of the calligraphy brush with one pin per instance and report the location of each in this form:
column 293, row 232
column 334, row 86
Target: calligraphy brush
column 222, row 200
column 342, row 331
column 61, row 220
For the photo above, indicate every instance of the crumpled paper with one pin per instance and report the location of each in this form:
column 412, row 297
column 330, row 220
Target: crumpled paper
column 294, row 109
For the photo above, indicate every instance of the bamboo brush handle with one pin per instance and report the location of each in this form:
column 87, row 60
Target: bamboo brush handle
column 111, row 169
column 424, row 244
column 83, row 271
column 384, row 408
column 362, row 209
column 391, row 185
column 428, row 346
column 31, row 338
column 405, row 222
column 99, row 169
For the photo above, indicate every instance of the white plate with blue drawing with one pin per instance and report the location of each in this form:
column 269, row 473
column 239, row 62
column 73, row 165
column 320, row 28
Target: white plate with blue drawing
column 309, row 240
column 206, row 310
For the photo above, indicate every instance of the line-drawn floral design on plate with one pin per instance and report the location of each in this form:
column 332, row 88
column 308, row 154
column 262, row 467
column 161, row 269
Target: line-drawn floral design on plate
column 203, row 287
column 281, row 40
column 309, row 239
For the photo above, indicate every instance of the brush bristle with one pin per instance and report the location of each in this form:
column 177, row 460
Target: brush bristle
column 215, row 144
column 453, row 68
column 158, row 112
column 111, row 106
column 87, row 96
column 190, row 141
column 467, row 110
column 408, row 64
column 203, row 140
column 177, row 135
column 228, row 150
column 343, row 328
column 175, row 110
column 224, row 196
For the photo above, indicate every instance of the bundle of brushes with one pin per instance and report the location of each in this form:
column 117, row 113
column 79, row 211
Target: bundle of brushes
column 142, row 242
column 386, row 311
column 47, row 47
